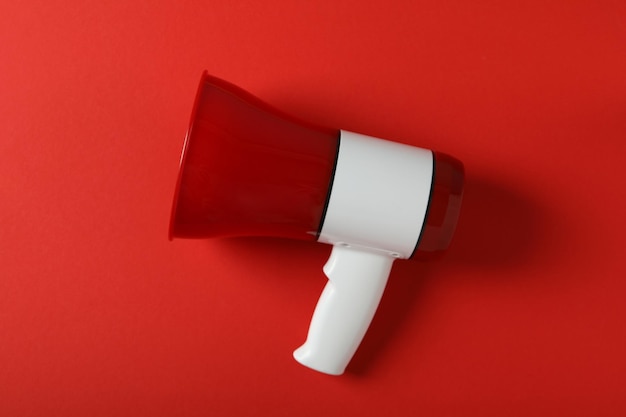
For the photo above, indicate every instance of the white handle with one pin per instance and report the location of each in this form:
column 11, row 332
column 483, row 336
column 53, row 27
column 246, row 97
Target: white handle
column 357, row 279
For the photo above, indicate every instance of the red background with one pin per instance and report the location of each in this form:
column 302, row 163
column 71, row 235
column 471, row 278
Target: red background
column 101, row 315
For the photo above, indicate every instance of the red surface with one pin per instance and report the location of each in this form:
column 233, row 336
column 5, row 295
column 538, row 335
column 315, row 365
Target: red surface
column 249, row 170
column 101, row 315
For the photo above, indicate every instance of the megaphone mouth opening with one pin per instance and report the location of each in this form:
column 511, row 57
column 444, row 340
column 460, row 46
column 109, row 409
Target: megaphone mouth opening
column 248, row 169
column 183, row 155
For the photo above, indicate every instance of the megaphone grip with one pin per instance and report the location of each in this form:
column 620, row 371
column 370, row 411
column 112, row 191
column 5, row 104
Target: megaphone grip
column 357, row 279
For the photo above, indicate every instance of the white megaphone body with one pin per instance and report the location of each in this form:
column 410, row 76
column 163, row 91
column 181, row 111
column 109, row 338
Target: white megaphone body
column 248, row 169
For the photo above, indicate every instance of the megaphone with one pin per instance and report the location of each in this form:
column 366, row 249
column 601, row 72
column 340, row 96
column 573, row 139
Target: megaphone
column 248, row 169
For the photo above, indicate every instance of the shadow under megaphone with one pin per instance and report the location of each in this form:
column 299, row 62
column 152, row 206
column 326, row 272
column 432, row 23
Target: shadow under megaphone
column 497, row 230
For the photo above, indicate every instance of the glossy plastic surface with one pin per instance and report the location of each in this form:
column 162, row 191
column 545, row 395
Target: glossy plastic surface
column 248, row 169
column 356, row 282
column 380, row 195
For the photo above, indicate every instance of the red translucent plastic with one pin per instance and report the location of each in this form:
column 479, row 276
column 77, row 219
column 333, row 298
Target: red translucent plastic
column 443, row 208
column 248, row 169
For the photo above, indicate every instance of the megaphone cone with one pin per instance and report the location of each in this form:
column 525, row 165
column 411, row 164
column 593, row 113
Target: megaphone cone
column 249, row 170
